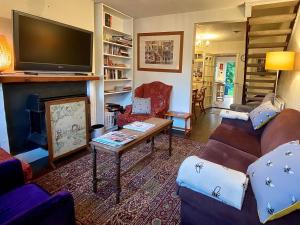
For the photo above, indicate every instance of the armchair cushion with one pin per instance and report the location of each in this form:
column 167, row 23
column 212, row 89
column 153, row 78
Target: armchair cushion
column 19, row 200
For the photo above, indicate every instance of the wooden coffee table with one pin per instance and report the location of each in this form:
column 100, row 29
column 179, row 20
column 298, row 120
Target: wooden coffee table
column 117, row 152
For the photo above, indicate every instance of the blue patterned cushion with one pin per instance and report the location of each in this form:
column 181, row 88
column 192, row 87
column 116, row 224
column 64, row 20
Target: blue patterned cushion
column 275, row 180
column 141, row 105
column 262, row 114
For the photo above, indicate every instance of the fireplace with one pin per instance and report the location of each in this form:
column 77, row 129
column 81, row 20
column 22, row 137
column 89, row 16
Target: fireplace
column 25, row 112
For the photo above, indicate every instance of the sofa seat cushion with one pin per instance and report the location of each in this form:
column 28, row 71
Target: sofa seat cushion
column 198, row 209
column 20, row 200
column 237, row 138
column 245, row 126
column 227, row 156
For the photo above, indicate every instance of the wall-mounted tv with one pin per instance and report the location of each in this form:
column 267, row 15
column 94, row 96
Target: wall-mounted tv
column 45, row 45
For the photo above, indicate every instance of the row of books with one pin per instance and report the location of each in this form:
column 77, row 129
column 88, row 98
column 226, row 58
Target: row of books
column 115, row 50
column 113, row 74
column 120, row 138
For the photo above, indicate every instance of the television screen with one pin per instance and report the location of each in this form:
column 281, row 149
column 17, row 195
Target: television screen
column 44, row 45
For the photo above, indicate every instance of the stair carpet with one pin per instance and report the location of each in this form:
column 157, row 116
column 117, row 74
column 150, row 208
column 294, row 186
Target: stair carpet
column 257, row 81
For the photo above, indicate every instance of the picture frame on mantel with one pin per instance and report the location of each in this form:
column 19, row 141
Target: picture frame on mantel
column 67, row 126
column 160, row 51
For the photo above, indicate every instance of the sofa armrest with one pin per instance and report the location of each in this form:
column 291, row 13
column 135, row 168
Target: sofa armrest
column 11, row 175
column 58, row 210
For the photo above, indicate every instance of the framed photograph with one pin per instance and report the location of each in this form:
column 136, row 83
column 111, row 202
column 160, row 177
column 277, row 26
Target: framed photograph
column 160, row 51
column 67, row 126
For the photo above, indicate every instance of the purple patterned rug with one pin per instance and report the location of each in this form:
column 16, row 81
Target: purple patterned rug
column 148, row 190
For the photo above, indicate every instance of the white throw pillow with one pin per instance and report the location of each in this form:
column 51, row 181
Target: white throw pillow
column 213, row 180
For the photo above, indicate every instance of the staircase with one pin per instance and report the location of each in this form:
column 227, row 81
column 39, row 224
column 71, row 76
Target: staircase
column 268, row 29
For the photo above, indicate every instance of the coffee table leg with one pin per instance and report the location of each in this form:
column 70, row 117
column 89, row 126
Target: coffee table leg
column 152, row 144
column 118, row 177
column 170, row 139
column 94, row 152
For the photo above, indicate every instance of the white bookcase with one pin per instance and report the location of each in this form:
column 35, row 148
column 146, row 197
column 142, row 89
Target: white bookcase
column 203, row 75
column 113, row 57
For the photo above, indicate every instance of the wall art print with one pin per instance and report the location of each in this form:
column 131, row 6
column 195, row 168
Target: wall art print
column 160, row 51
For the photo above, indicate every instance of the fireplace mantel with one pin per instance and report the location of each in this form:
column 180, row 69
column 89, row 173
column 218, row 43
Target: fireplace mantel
column 15, row 78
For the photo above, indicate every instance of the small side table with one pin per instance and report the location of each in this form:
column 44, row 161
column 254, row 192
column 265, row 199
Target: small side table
column 181, row 115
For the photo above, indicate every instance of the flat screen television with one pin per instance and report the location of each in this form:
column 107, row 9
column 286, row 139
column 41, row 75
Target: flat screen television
column 45, row 45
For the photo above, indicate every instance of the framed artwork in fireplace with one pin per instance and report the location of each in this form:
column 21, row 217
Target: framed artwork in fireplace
column 160, row 51
column 67, row 126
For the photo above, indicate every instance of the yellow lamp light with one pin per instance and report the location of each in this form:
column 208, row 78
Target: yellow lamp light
column 280, row 60
column 5, row 54
column 283, row 60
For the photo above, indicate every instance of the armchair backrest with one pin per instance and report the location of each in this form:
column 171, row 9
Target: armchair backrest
column 158, row 92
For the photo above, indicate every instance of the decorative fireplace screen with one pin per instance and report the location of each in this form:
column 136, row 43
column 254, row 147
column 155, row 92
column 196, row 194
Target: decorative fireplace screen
column 67, row 126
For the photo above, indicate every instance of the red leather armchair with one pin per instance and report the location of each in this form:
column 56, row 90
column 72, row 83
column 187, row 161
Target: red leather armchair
column 160, row 101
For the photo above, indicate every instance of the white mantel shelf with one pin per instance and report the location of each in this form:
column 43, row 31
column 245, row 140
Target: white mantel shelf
column 44, row 78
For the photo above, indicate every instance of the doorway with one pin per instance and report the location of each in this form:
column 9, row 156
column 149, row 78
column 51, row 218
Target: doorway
column 218, row 65
column 224, row 80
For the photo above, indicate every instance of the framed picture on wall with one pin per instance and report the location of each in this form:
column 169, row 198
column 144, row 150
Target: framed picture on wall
column 67, row 126
column 160, row 51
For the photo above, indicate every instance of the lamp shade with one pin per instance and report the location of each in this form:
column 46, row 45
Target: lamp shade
column 280, row 60
column 5, row 54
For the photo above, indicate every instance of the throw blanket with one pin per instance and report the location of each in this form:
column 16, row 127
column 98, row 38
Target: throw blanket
column 213, row 180
column 234, row 115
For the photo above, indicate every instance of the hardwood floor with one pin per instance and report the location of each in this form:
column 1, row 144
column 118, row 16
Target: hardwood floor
column 205, row 124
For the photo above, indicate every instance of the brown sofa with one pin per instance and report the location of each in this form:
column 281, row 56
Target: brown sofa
column 236, row 145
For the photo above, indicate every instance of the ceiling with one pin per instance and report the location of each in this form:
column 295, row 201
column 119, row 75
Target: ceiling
column 148, row 8
column 221, row 31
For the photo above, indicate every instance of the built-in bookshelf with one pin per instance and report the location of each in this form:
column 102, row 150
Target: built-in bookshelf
column 203, row 75
column 113, row 56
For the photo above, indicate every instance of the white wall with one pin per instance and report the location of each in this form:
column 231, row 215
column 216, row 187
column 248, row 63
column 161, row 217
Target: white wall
column 181, row 82
column 289, row 83
column 3, row 134
column 79, row 13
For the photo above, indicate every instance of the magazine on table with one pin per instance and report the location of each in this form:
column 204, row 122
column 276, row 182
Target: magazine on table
column 139, row 126
column 115, row 138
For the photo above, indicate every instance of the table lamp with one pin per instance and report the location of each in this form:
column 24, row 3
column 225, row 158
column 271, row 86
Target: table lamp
column 5, row 54
column 283, row 60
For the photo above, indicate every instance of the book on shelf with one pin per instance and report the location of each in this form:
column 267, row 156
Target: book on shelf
column 115, row 138
column 139, row 126
column 107, row 20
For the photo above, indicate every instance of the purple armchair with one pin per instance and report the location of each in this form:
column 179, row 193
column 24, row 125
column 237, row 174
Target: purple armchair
column 22, row 203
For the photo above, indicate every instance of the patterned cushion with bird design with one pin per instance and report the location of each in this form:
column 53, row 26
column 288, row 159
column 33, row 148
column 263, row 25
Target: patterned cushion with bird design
column 262, row 114
column 213, row 180
column 275, row 179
